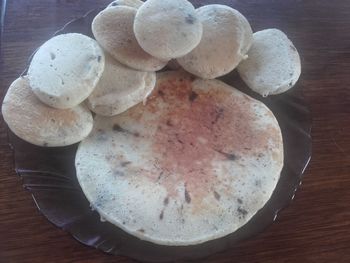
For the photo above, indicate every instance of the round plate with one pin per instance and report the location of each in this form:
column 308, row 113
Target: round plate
column 49, row 175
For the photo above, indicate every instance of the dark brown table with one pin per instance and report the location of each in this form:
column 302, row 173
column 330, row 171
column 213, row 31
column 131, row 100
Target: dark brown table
column 314, row 228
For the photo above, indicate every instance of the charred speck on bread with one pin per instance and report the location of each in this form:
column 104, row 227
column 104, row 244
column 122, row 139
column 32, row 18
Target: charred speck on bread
column 217, row 195
column 193, row 96
column 178, row 138
column 242, row 211
column 169, row 123
column 118, row 173
column 161, row 93
column 118, row 128
column 258, row 183
column 187, row 196
column 123, row 164
column 190, row 19
column 160, row 176
column 219, row 113
column 166, row 201
column 229, row 156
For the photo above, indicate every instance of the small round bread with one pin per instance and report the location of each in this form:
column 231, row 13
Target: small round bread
column 65, row 70
column 273, row 64
column 227, row 37
column 113, row 30
column 131, row 3
column 167, row 29
column 39, row 124
column 120, row 88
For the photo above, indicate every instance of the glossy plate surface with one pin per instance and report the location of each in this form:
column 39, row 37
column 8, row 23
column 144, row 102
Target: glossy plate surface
column 49, row 175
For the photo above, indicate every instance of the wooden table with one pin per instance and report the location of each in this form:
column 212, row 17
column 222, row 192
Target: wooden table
column 314, row 228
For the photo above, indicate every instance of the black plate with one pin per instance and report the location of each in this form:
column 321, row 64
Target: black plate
column 49, row 175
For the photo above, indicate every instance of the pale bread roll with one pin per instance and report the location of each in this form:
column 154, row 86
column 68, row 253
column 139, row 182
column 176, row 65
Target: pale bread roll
column 120, row 88
column 65, row 70
column 273, row 64
column 113, row 30
column 39, row 124
column 192, row 165
column 167, row 29
column 227, row 36
column 130, row 3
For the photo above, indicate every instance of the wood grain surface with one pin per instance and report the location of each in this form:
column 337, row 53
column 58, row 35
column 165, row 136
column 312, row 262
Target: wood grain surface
column 314, row 228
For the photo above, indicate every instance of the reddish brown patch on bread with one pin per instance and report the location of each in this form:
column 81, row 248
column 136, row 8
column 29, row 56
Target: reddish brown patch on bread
column 197, row 129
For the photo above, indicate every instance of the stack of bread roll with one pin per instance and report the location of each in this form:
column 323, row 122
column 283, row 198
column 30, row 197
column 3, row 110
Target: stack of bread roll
column 71, row 74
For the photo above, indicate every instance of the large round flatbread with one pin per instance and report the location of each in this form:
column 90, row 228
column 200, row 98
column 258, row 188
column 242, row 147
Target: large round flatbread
column 194, row 164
